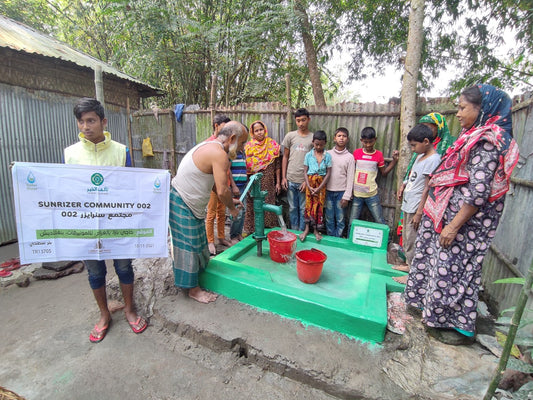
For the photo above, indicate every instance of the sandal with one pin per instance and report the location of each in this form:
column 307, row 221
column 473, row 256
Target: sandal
column 5, row 273
column 9, row 263
column 101, row 332
column 139, row 326
column 12, row 267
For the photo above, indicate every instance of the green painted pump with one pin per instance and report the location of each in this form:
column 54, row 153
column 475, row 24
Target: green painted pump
column 258, row 196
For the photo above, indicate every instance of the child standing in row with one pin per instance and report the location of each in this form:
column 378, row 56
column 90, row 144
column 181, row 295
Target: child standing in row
column 296, row 144
column 215, row 208
column 413, row 190
column 340, row 184
column 317, row 166
column 238, row 180
column 368, row 161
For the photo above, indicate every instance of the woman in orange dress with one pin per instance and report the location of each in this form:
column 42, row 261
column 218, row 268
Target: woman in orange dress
column 262, row 155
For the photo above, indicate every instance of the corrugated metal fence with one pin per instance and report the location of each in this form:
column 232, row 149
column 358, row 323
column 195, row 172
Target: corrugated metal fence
column 510, row 244
column 196, row 127
column 35, row 126
column 511, row 252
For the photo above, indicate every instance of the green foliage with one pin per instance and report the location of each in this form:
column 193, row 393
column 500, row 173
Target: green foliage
column 463, row 36
column 519, row 281
column 180, row 45
column 523, row 337
column 91, row 27
column 35, row 13
column 377, row 32
column 247, row 45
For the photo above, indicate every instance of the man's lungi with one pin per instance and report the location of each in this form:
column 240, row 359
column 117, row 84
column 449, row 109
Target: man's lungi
column 189, row 243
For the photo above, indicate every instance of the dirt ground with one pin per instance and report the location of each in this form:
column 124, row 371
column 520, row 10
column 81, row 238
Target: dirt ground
column 224, row 350
column 46, row 354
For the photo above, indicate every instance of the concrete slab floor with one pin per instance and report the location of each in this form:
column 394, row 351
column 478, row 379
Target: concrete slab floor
column 223, row 350
column 46, row 354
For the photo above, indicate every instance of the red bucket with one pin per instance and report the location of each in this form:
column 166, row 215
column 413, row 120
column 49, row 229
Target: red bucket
column 309, row 265
column 282, row 245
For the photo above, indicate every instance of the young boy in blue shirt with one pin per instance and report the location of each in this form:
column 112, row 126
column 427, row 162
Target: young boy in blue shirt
column 317, row 167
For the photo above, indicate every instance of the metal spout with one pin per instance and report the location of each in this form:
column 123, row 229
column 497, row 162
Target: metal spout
column 272, row 208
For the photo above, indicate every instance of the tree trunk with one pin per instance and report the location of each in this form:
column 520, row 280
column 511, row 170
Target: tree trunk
column 310, row 54
column 409, row 83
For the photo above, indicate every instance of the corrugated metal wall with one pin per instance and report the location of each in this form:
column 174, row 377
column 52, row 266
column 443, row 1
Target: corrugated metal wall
column 170, row 139
column 384, row 118
column 511, row 251
column 35, row 126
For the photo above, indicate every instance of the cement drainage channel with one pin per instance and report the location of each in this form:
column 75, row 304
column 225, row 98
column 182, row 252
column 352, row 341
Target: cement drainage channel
column 406, row 366
column 251, row 355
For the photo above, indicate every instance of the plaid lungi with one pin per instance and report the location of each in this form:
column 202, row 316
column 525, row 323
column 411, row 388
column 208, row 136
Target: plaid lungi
column 189, row 242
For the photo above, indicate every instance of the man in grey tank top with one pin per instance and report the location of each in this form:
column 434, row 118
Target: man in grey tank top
column 204, row 165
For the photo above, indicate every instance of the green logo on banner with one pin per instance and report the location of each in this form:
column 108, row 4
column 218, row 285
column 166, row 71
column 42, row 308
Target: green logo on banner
column 97, row 179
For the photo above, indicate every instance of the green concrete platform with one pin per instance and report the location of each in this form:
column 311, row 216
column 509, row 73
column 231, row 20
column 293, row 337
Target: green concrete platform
column 350, row 296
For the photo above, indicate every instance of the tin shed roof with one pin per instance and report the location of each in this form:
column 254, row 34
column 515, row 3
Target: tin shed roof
column 20, row 37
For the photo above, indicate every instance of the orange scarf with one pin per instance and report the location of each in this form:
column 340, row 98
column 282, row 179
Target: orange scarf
column 260, row 155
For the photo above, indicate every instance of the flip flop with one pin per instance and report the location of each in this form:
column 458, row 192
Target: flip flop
column 135, row 325
column 101, row 332
column 9, row 263
column 5, row 273
column 12, row 267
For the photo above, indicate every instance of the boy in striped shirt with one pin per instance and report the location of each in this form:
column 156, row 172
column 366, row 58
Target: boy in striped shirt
column 238, row 180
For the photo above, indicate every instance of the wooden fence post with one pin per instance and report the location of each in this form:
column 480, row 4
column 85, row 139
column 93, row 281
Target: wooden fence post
column 99, row 84
column 212, row 103
column 128, row 125
column 172, row 161
column 289, row 105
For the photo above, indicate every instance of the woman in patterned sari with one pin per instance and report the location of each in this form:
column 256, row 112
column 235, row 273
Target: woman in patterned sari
column 262, row 155
column 463, row 209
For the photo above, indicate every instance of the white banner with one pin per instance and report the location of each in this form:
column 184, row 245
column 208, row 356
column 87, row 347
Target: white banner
column 80, row 212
